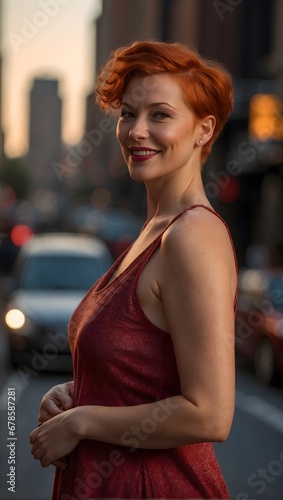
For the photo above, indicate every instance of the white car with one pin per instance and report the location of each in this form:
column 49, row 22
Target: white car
column 52, row 274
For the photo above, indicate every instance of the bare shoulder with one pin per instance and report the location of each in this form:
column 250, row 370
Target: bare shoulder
column 199, row 241
column 196, row 226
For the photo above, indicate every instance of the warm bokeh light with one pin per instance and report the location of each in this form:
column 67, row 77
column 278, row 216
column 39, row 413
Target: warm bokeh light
column 15, row 319
column 265, row 121
column 20, row 234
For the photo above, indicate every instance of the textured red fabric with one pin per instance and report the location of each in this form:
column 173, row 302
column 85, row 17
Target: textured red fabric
column 121, row 359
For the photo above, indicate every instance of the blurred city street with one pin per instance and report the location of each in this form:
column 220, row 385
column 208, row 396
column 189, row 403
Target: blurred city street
column 251, row 459
column 62, row 171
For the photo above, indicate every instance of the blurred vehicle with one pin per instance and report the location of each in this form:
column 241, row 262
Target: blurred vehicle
column 259, row 322
column 52, row 274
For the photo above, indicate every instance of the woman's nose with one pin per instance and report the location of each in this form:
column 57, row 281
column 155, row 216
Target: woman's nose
column 139, row 129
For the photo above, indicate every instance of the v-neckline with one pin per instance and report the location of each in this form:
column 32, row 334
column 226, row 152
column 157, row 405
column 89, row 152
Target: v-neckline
column 107, row 281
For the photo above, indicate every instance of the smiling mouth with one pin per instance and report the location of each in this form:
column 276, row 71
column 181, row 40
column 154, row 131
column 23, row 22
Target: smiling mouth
column 143, row 153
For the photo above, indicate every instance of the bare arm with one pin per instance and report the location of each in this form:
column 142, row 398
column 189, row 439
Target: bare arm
column 198, row 293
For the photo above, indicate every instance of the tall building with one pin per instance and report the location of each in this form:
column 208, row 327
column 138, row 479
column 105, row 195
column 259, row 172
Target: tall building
column 276, row 59
column 124, row 21
column 44, row 134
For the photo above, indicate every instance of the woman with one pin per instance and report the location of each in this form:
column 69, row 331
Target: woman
column 153, row 340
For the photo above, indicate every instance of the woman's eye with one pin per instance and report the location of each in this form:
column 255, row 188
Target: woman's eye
column 161, row 115
column 126, row 114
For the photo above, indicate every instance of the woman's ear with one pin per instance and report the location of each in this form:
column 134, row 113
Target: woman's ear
column 207, row 127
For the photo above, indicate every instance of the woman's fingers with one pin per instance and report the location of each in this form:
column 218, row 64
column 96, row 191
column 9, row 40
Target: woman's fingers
column 48, row 409
column 55, row 401
column 39, row 454
column 60, row 464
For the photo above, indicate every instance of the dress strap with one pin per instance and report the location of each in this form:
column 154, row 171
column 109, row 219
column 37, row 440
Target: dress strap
column 155, row 244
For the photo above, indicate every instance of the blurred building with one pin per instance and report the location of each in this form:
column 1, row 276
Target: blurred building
column 44, row 134
column 276, row 53
column 124, row 21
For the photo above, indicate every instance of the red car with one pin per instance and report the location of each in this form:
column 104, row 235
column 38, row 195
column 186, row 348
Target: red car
column 259, row 321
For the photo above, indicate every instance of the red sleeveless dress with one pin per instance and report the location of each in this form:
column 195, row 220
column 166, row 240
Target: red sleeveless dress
column 120, row 359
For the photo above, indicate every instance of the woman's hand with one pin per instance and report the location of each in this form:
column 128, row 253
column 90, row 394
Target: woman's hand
column 55, row 439
column 56, row 401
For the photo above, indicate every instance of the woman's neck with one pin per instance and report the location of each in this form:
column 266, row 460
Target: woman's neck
column 169, row 198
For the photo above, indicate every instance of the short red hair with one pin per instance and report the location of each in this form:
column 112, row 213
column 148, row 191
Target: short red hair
column 206, row 85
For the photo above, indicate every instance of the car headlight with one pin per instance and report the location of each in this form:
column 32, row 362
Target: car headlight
column 15, row 319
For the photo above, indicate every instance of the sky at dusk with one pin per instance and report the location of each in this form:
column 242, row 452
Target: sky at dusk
column 46, row 38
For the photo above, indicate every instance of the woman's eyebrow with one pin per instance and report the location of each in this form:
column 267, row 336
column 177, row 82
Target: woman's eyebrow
column 151, row 105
